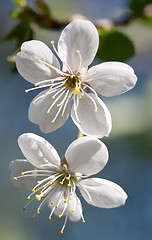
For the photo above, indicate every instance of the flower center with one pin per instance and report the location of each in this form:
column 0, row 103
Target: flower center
column 73, row 84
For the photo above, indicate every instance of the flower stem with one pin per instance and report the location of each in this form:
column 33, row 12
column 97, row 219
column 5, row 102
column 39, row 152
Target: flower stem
column 80, row 134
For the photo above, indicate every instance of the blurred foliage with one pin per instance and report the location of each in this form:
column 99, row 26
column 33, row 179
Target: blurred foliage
column 113, row 44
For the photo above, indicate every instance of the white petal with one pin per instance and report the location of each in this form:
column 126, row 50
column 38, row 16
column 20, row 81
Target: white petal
column 78, row 35
column 86, row 155
column 38, row 113
column 34, row 70
column 38, row 151
column 112, row 78
column 103, row 193
column 17, row 167
column 97, row 124
column 57, row 198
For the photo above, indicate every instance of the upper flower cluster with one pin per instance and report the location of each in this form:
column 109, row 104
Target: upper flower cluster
column 54, row 181
column 77, row 47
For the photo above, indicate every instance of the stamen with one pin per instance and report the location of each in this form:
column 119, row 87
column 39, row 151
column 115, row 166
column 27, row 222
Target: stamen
column 95, row 105
column 62, row 92
column 80, row 60
column 42, row 86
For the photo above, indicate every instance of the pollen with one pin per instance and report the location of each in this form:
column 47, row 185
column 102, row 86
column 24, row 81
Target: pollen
column 15, row 178
column 35, row 85
column 67, row 178
column 76, row 90
column 58, row 105
column 44, row 186
column 33, row 102
column 83, row 221
column 90, row 201
column 26, row 91
column 69, row 185
column 48, row 112
column 52, row 121
column 56, row 206
column 70, row 198
column 52, row 42
column 37, row 59
column 38, row 182
column 51, row 202
column 49, row 65
column 71, row 193
column 61, row 183
column 62, row 116
column 59, row 216
column 52, row 81
column 73, row 211
column 38, row 197
column 41, row 166
column 49, row 218
column 38, row 212
column 50, row 87
column 64, row 201
column 61, row 232
column 77, row 51
column 24, row 209
column 80, row 122
column 33, row 190
column 95, row 110
column 88, row 175
column 28, row 198
column 98, row 70
column 53, row 97
column 32, row 218
column 65, row 166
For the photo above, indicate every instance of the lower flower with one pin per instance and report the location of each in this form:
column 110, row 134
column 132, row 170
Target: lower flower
column 54, row 181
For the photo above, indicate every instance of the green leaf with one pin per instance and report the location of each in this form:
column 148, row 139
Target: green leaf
column 20, row 2
column 137, row 6
column 43, row 7
column 16, row 13
column 114, row 46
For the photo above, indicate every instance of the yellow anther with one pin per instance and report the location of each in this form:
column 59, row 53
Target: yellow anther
column 77, row 51
column 83, row 221
column 51, row 202
column 63, row 83
column 53, row 97
column 41, row 192
column 38, row 197
column 67, row 178
column 22, row 173
column 33, row 190
column 81, row 94
column 49, row 65
column 43, row 196
column 70, row 198
column 93, row 80
column 24, row 209
column 73, row 211
column 62, row 116
column 98, row 70
column 15, row 178
column 26, row 91
column 65, row 166
column 58, row 105
column 90, row 201
column 50, row 87
column 50, row 183
column 49, row 218
column 61, row 232
column 57, row 72
column 88, row 175
column 56, row 206
column 38, row 212
column 33, row 102
column 61, row 183
column 64, row 201
column 59, row 216
column 69, row 185
column 95, row 110
column 71, row 193
column 80, row 122
column 52, row 42
column 28, row 198
column 38, row 182
column 44, row 186
column 71, row 76
column 35, row 85
column 52, row 121
column 52, row 81
column 76, row 90
column 48, row 112
column 37, row 59
column 32, row 218
column 69, row 97
column 41, row 166
column 64, row 63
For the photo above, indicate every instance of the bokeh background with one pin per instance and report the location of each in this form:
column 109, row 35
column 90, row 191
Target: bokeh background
column 129, row 144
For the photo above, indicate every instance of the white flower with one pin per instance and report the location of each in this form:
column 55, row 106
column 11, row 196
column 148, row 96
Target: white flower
column 55, row 181
column 77, row 47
